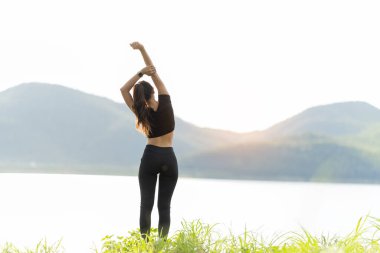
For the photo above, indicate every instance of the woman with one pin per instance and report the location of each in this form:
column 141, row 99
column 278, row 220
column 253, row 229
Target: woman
column 156, row 120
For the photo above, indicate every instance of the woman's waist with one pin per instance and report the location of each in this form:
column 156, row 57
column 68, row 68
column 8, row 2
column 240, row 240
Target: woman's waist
column 162, row 141
column 159, row 150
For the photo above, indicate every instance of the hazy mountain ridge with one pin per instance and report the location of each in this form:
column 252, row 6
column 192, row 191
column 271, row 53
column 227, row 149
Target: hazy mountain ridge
column 47, row 122
column 51, row 128
column 341, row 144
column 337, row 119
column 52, row 124
column 311, row 159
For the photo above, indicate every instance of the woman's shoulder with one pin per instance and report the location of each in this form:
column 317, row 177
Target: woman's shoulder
column 163, row 97
column 164, row 101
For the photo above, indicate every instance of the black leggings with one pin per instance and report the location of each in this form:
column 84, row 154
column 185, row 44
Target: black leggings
column 157, row 160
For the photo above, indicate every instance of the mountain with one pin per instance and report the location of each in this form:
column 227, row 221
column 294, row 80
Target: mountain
column 53, row 129
column 301, row 160
column 339, row 119
column 336, row 142
column 43, row 125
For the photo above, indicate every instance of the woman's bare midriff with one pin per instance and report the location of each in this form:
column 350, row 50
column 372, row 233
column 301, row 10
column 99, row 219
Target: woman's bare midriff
column 162, row 141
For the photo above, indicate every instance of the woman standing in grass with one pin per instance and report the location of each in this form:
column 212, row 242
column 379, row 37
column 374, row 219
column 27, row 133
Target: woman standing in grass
column 156, row 120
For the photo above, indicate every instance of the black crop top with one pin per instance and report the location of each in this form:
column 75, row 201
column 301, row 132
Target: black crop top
column 161, row 121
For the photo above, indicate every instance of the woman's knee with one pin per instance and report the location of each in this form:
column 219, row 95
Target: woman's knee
column 163, row 207
column 147, row 204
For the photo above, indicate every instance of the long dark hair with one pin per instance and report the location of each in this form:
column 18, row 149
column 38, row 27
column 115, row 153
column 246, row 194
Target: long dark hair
column 142, row 92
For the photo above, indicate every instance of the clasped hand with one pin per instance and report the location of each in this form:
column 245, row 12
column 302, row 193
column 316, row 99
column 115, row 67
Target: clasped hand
column 149, row 70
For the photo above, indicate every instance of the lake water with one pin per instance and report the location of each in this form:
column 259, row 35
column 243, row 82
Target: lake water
column 82, row 209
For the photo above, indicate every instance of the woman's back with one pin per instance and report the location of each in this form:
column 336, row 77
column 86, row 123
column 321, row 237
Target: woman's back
column 162, row 123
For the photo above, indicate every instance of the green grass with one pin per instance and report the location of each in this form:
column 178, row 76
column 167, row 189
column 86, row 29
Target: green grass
column 199, row 237
column 41, row 247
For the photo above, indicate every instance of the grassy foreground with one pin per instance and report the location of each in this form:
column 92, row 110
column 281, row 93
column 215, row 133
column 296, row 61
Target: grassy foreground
column 199, row 237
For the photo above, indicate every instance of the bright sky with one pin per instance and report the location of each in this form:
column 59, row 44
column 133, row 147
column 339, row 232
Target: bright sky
column 232, row 64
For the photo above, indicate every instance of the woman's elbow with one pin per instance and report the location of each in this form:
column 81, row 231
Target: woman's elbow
column 124, row 90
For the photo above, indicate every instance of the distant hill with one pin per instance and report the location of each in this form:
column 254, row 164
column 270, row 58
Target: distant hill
column 340, row 119
column 337, row 142
column 49, row 126
column 53, row 129
column 305, row 159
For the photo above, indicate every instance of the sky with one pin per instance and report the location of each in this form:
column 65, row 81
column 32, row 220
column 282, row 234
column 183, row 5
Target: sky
column 228, row 64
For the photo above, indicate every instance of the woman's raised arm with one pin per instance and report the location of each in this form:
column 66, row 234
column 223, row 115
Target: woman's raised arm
column 139, row 46
column 148, row 62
